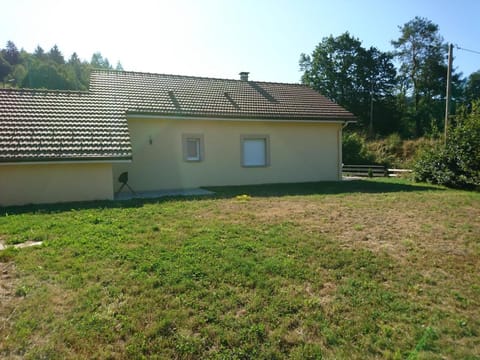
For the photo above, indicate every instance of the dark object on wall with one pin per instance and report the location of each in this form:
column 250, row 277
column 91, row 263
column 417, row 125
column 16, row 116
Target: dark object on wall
column 123, row 178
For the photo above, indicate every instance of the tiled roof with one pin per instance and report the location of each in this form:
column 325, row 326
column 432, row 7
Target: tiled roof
column 145, row 93
column 45, row 125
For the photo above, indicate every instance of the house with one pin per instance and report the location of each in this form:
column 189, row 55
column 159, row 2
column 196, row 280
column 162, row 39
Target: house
column 167, row 132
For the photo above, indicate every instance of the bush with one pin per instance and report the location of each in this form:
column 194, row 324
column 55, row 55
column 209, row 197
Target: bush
column 412, row 148
column 432, row 166
column 354, row 150
column 458, row 163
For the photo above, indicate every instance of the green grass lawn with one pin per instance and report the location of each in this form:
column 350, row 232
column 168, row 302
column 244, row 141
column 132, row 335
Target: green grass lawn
column 360, row 269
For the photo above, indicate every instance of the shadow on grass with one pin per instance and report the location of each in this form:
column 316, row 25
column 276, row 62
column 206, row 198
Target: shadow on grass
column 324, row 188
column 223, row 192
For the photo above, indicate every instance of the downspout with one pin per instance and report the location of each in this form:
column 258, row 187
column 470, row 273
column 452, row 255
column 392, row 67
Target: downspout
column 339, row 144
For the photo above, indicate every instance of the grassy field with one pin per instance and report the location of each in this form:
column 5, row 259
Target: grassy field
column 360, row 269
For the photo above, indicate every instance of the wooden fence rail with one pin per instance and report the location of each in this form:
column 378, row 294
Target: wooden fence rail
column 372, row 170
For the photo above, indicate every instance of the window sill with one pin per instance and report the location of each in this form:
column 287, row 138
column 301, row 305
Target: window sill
column 255, row 166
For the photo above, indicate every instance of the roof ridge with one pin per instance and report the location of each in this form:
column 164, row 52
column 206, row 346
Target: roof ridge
column 77, row 92
column 190, row 76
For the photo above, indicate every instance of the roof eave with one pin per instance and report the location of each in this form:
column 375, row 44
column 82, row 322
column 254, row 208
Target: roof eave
column 241, row 117
column 52, row 160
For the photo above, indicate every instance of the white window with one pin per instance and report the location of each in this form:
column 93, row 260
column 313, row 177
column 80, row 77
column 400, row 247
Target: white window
column 255, row 150
column 192, row 147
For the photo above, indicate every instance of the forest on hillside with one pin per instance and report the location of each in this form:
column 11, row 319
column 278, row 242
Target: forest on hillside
column 48, row 70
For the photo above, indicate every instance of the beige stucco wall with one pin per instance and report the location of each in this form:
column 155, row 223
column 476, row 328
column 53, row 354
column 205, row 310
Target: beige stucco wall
column 50, row 183
column 299, row 152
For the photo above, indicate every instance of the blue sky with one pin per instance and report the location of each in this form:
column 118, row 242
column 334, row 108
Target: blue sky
column 218, row 38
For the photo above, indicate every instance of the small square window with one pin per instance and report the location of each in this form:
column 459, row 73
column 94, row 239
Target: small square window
column 192, row 147
column 255, row 150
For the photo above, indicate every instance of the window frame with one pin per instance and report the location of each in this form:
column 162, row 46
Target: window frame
column 263, row 137
column 201, row 147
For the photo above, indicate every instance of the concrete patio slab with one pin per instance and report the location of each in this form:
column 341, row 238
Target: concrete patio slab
column 21, row 245
column 162, row 193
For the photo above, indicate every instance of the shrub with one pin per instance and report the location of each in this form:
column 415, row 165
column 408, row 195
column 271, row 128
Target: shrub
column 432, row 166
column 354, row 150
column 458, row 163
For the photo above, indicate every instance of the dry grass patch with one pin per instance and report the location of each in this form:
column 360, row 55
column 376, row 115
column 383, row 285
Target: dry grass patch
column 8, row 287
column 384, row 223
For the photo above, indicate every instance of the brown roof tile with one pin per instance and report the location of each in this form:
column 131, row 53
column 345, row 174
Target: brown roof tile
column 45, row 125
column 145, row 93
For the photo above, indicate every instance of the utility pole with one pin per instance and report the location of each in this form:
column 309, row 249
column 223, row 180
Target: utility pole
column 449, row 88
column 370, row 128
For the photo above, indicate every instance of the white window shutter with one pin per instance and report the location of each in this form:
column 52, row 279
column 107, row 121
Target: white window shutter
column 193, row 149
column 254, row 152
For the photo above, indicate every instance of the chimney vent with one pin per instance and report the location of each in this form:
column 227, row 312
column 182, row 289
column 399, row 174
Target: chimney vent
column 244, row 75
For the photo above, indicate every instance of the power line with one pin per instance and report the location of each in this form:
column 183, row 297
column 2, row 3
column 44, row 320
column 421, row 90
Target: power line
column 472, row 51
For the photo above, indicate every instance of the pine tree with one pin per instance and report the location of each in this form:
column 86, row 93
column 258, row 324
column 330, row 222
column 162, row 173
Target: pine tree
column 56, row 56
column 39, row 53
column 11, row 53
column 421, row 51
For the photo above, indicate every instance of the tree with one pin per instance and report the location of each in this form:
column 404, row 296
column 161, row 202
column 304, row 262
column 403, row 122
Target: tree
column 331, row 69
column 341, row 69
column 46, row 70
column 380, row 74
column 119, row 66
column 56, row 56
column 49, row 75
column 472, row 88
column 98, row 61
column 77, row 72
column 74, row 59
column 18, row 74
column 39, row 53
column 422, row 55
column 11, row 53
column 5, row 68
